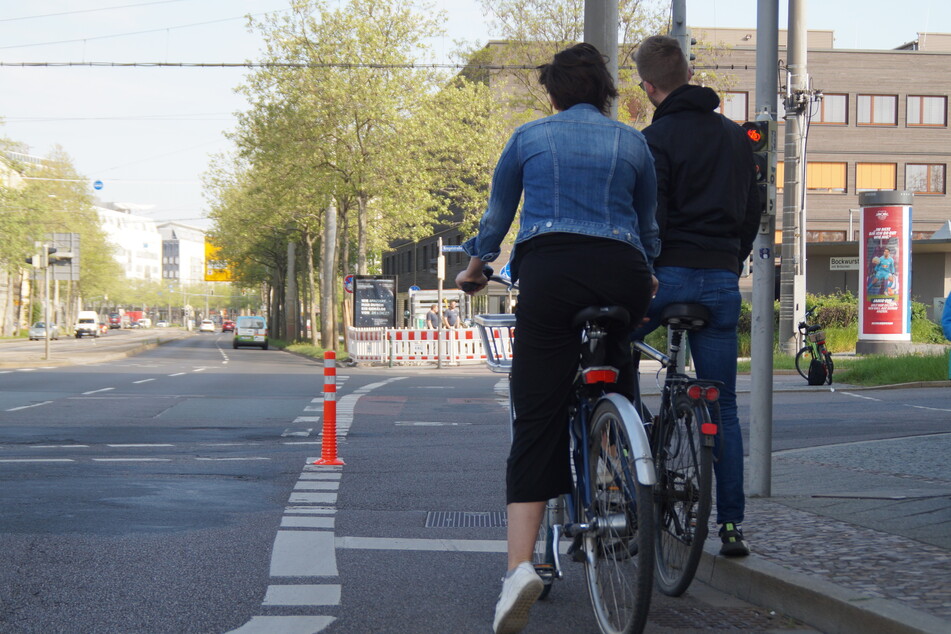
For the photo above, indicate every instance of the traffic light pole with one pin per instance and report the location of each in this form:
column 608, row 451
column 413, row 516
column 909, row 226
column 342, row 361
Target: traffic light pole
column 45, row 263
column 763, row 262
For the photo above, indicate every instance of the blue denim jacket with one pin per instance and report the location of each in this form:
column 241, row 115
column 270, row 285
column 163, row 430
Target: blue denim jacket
column 581, row 172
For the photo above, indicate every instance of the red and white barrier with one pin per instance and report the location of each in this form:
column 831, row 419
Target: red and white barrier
column 328, row 451
column 413, row 346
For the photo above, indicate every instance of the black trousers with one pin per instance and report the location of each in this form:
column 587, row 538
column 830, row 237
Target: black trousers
column 559, row 275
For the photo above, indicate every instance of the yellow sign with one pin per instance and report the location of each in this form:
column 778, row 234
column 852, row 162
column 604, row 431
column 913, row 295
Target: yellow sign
column 216, row 269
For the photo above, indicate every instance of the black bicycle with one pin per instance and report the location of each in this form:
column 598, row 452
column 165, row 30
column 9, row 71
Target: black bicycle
column 814, row 361
column 608, row 514
column 682, row 436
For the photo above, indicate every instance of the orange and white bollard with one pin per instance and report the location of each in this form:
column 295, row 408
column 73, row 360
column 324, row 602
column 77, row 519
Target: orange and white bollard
column 328, row 451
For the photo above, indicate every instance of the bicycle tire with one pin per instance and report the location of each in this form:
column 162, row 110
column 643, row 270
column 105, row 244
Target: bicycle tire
column 682, row 495
column 619, row 550
column 803, row 359
column 830, row 367
column 544, row 555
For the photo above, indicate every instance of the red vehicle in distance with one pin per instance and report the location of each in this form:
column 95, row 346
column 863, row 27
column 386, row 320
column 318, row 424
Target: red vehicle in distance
column 227, row 326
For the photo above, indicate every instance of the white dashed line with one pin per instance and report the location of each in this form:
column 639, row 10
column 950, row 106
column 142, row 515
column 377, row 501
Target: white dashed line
column 17, row 409
column 132, row 459
column 37, row 460
column 59, row 446
column 140, row 445
column 178, row 374
column 304, row 594
column 307, row 419
column 105, row 389
column 304, row 554
column 143, row 381
column 867, row 398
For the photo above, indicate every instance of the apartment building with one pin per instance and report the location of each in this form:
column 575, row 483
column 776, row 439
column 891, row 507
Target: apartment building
column 136, row 238
column 183, row 253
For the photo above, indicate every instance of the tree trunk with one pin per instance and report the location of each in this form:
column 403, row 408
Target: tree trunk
column 328, row 274
column 291, row 310
column 362, row 238
column 311, row 287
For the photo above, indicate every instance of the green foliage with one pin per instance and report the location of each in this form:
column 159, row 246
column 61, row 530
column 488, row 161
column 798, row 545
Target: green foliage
column 885, row 370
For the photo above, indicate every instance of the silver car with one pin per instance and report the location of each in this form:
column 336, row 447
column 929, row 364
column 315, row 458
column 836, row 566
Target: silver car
column 38, row 331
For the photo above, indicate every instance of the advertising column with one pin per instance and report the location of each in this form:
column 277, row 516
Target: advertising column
column 884, row 270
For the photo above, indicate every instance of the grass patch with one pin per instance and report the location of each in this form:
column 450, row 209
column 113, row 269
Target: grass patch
column 306, row 349
column 884, row 370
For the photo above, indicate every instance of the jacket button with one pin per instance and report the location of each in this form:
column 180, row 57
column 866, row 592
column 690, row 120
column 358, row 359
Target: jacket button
column 615, row 232
column 548, row 224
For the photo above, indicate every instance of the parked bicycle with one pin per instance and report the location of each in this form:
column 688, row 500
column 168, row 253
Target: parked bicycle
column 814, row 361
column 608, row 514
column 682, row 436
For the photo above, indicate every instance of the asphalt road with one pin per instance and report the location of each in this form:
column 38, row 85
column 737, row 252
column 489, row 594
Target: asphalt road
column 152, row 494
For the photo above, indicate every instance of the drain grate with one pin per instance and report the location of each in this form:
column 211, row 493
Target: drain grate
column 466, row 519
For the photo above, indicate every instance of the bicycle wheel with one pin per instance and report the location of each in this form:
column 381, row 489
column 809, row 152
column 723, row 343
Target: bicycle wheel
column 803, row 359
column 682, row 495
column 619, row 550
column 544, row 557
column 830, row 367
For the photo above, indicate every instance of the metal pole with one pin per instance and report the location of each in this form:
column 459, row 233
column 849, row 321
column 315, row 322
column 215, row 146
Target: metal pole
column 440, row 276
column 600, row 30
column 793, row 277
column 678, row 27
column 763, row 264
column 45, row 259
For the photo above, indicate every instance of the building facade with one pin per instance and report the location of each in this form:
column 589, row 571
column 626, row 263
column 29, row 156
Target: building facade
column 136, row 238
column 183, row 252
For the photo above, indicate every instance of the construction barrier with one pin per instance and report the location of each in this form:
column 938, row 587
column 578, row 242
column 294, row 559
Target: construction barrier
column 413, row 346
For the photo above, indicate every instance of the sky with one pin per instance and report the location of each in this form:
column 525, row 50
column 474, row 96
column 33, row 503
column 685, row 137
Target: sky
column 149, row 133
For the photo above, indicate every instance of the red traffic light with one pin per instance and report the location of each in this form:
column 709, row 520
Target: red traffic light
column 755, row 135
column 757, row 132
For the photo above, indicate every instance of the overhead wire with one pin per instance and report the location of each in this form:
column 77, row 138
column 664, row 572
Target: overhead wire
column 60, row 13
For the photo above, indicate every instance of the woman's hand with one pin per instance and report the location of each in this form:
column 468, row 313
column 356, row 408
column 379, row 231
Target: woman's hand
column 471, row 280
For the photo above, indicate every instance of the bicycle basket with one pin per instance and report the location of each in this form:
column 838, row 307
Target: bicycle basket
column 498, row 335
column 818, row 336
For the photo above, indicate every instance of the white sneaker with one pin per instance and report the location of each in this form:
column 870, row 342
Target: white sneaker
column 519, row 593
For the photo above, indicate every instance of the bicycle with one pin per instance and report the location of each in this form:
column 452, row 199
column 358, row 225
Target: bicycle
column 682, row 436
column 813, row 358
column 608, row 514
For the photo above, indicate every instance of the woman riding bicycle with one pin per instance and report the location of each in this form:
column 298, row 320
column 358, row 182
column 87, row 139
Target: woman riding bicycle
column 587, row 236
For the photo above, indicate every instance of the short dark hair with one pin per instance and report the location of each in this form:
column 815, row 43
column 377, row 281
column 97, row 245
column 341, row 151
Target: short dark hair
column 576, row 75
column 662, row 62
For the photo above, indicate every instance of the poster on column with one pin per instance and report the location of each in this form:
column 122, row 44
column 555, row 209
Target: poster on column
column 886, row 267
column 374, row 301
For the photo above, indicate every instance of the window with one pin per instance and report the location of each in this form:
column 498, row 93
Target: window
column 826, row 177
column 733, row 105
column 925, row 179
column 927, row 111
column 875, row 176
column 832, row 110
column 877, row 110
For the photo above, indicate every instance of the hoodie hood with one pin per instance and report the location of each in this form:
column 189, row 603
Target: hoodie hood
column 688, row 97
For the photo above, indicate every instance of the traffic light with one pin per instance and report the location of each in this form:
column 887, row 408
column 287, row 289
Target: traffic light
column 762, row 136
column 40, row 261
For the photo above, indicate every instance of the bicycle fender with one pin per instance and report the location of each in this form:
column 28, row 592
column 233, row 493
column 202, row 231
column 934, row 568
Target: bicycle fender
column 643, row 458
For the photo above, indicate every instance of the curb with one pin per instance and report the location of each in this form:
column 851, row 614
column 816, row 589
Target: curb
column 814, row 601
column 96, row 357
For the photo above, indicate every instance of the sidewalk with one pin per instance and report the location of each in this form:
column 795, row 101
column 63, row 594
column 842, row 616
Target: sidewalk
column 855, row 538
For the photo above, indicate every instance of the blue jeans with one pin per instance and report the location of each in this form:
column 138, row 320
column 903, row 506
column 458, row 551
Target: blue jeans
column 714, row 353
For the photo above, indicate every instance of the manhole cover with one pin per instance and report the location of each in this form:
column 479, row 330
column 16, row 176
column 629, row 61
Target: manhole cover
column 465, row 519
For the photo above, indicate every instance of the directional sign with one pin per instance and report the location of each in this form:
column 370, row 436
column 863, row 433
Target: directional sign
column 452, row 248
column 413, row 288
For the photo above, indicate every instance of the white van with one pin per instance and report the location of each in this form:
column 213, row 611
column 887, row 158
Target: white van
column 87, row 324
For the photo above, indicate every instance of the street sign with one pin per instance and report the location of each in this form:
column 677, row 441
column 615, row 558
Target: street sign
column 413, row 288
column 452, row 248
column 97, row 185
column 348, row 283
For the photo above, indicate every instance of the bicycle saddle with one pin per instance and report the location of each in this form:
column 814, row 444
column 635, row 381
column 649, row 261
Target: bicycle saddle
column 608, row 316
column 685, row 316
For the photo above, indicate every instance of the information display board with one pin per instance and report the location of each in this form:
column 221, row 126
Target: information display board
column 374, row 301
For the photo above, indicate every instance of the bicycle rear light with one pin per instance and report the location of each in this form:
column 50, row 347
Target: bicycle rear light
column 708, row 393
column 710, row 429
column 599, row 375
column 695, row 392
column 712, row 394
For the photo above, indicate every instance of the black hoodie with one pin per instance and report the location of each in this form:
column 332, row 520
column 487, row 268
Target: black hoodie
column 708, row 208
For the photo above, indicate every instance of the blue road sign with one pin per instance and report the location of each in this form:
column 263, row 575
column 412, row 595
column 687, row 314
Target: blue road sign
column 97, row 185
column 452, row 248
column 414, row 288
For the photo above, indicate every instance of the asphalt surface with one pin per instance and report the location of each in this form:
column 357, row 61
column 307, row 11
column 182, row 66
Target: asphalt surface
column 855, row 536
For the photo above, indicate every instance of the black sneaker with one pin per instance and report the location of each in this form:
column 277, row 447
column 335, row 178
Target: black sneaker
column 732, row 537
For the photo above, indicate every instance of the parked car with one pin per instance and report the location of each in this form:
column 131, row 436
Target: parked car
column 206, row 325
column 227, row 326
column 161, row 324
column 38, row 331
column 250, row 331
column 115, row 320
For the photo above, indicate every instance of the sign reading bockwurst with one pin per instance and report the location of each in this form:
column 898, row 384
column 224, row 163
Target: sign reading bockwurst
column 844, row 264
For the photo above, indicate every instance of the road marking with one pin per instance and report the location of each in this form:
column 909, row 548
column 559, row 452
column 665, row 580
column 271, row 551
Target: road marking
column 296, row 432
column 132, row 459
column 199, row 369
column 314, row 408
column 310, row 510
column 105, row 389
column 141, row 445
column 930, row 409
column 26, row 370
column 316, row 485
column 313, row 498
column 285, row 625
column 310, row 475
column 17, row 409
column 868, row 398
column 434, row 545
column 178, row 374
column 323, row 594
column 307, row 419
column 302, row 442
column 294, row 521
column 143, row 381
column 304, row 554
column 6, row 371
column 224, row 459
column 58, row 446
column 412, row 423
column 37, row 460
